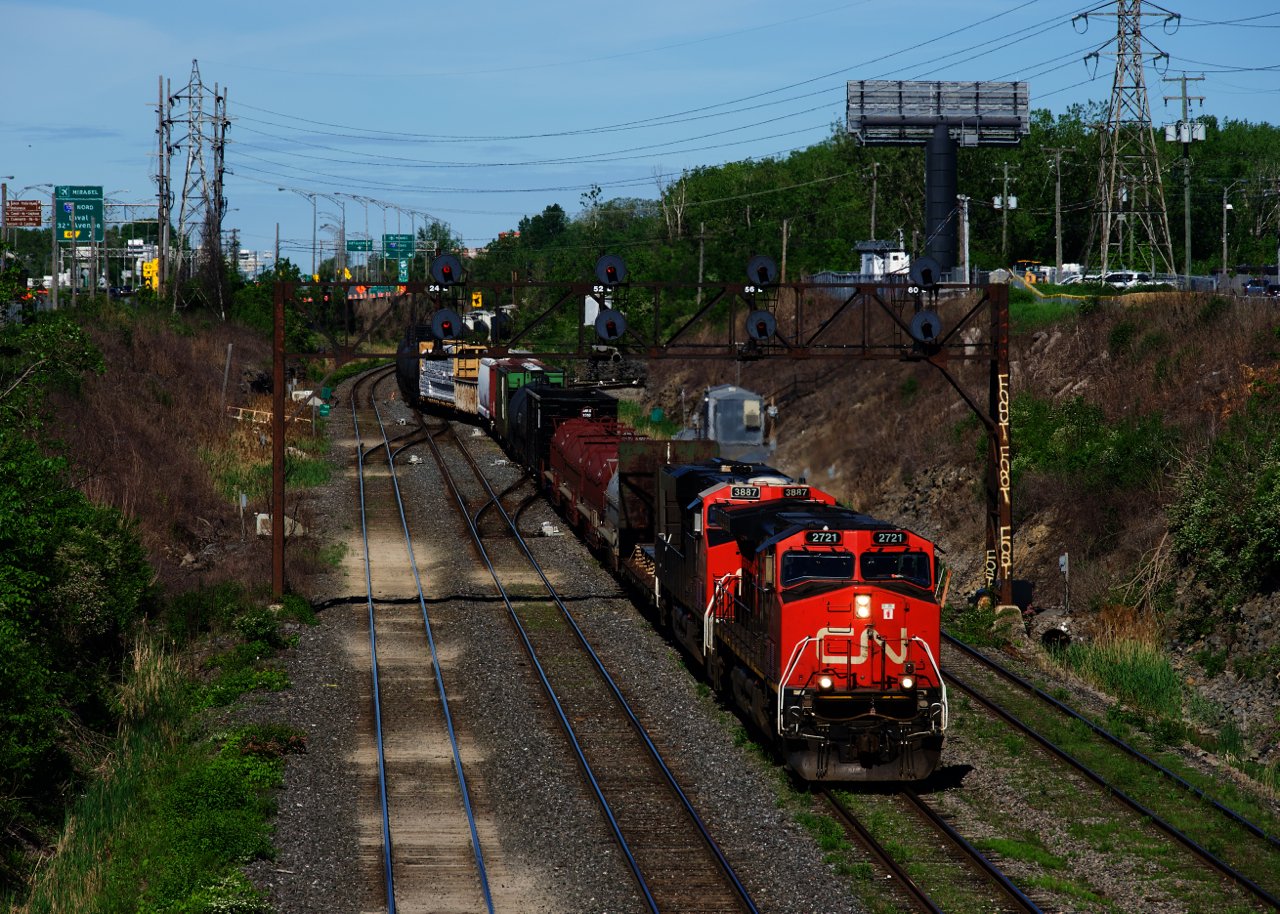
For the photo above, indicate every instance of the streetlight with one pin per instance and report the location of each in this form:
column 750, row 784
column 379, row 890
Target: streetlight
column 1226, row 207
column 339, row 259
column 312, row 198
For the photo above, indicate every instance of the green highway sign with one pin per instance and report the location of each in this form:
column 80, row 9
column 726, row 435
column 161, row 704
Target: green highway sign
column 356, row 245
column 404, row 271
column 397, row 246
column 324, row 410
column 77, row 208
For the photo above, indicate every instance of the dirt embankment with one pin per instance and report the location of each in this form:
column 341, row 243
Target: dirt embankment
column 138, row 431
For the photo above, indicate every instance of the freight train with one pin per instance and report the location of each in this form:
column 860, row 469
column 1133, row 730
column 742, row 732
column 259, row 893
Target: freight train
column 821, row 624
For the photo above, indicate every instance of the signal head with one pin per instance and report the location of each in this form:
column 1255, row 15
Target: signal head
column 446, row 270
column 611, row 270
column 761, row 326
column 926, row 327
column 926, row 272
column 446, row 325
column 610, row 325
column 761, row 270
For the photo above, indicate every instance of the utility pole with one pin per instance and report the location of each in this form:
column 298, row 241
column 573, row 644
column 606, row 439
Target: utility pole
column 1057, row 201
column 875, row 171
column 1226, row 189
column 964, row 225
column 1186, row 133
column 1004, row 213
column 702, row 237
column 784, row 249
column 276, row 264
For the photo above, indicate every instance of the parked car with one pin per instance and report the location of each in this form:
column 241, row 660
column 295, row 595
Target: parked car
column 1256, row 287
column 1122, row 279
column 1273, row 290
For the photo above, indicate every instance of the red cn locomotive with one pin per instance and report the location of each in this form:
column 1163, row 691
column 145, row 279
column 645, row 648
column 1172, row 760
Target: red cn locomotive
column 821, row 622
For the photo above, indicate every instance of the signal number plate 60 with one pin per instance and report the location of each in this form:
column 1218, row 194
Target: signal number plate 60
column 744, row 491
column 895, row 538
column 823, row 537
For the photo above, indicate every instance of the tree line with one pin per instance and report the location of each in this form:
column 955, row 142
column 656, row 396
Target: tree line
column 820, row 200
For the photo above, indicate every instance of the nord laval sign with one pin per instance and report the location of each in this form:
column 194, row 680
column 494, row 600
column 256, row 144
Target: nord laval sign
column 77, row 210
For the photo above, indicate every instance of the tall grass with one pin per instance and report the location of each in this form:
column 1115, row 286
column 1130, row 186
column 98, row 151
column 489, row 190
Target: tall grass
column 152, row 705
column 1134, row 671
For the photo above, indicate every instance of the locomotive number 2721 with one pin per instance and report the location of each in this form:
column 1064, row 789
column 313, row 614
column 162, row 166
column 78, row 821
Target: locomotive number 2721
column 896, row 538
column 823, row 537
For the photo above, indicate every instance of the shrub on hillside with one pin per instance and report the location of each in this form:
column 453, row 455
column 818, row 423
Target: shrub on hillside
column 1226, row 519
column 1074, row 439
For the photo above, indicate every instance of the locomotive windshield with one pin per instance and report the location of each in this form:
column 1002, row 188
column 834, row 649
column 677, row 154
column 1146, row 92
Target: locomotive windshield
column 816, row 566
column 897, row 566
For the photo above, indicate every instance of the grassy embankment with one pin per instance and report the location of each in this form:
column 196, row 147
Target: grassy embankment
column 178, row 807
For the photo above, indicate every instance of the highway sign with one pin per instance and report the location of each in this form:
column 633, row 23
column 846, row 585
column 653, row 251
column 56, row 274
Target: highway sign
column 396, row 246
column 356, row 245
column 23, row 214
column 324, row 410
column 77, row 208
column 404, row 271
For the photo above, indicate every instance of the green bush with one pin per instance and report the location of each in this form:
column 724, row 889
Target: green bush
column 1225, row 521
column 1074, row 439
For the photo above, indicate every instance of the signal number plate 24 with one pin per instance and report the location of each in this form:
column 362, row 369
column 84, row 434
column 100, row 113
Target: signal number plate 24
column 823, row 537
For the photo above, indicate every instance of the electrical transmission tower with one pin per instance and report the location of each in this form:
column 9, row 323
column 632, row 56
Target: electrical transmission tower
column 201, row 205
column 1129, row 209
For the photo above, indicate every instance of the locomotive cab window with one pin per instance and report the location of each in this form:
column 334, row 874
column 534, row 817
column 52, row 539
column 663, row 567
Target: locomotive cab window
column 816, row 566
column 897, row 566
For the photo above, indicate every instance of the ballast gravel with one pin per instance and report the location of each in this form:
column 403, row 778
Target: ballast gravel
column 551, row 835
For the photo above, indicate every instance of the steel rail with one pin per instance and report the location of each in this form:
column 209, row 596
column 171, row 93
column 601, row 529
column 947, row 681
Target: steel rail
column 373, row 649
column 918, row 895
column 1113, row 739
column 739, row 889
column 537, row 666
column 435, row 659
column 993, row 872
column 1112, row 790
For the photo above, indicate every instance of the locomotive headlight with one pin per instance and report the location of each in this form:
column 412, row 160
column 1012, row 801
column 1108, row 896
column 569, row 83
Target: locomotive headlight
column 825, row 683
column 862, row 606
column 907, row 683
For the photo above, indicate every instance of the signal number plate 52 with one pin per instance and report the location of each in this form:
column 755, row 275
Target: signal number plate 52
column 823, row 537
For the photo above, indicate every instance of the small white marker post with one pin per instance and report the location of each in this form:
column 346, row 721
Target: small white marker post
column 244, row 500
column 1065, row 564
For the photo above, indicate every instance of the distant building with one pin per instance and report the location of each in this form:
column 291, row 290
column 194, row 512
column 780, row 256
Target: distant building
column 251, row 263
column 882, row 258
column 473, row 253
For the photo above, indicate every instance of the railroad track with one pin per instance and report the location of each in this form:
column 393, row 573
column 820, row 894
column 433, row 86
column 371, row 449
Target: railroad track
column 1003, row 893
column 1243, row 848
column 429, row 834
column 676, row 864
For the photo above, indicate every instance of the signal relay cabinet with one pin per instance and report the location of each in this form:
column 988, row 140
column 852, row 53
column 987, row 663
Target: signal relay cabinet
column 734, row 417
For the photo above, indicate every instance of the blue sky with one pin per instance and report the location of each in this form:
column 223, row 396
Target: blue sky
column 481, row 112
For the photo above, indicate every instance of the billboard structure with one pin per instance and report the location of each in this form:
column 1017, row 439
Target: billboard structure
column 941, row 116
